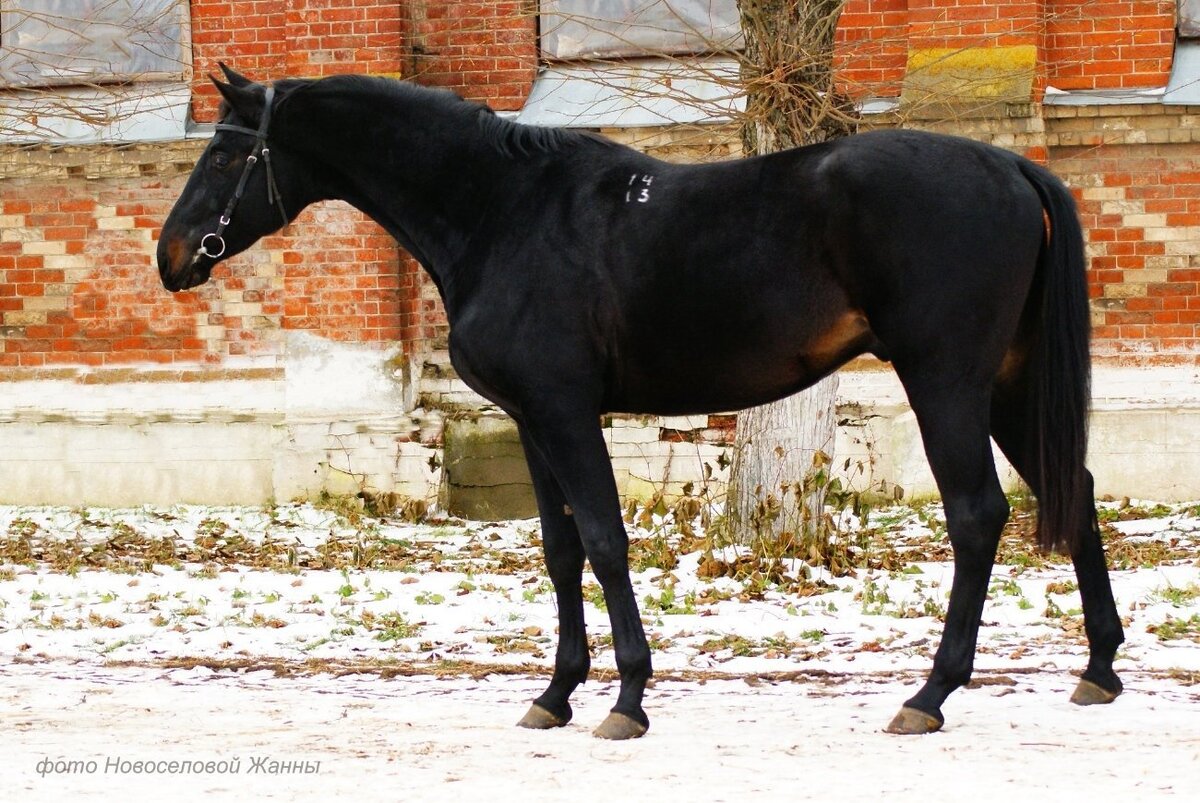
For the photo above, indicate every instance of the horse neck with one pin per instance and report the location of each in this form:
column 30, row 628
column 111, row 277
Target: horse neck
column 427, row 179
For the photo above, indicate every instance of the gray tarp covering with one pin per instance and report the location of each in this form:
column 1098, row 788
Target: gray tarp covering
column 589, row 29
column 64, row 42
column 1189, row 18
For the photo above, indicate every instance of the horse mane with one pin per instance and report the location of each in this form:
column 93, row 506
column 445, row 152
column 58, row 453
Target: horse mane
column 507, row 137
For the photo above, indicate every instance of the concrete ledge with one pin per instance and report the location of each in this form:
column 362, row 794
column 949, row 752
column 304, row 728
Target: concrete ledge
column 250, row 441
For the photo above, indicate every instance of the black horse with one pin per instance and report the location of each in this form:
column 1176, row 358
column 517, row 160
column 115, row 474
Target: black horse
column 579, row 276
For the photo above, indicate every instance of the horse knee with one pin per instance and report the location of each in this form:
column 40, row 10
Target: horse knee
column 975, row 523
column 565, row 570
column 610, row 560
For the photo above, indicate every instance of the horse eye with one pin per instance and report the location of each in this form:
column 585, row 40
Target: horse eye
column 220, row 160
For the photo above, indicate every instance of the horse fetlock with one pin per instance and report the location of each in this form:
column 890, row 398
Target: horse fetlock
column 569, row 674
column 1104, row 677
column 635, row 667
column 1104, row 638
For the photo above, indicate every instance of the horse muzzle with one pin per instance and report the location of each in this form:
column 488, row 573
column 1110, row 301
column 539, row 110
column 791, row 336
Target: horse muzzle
column 182, row 267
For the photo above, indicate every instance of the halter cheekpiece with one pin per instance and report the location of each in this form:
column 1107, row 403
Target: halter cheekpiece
column 273, row 196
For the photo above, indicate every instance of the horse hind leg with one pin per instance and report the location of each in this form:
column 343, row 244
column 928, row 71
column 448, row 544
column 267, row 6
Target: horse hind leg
column 954, row 427
column 1014, row 433
column 564, row 557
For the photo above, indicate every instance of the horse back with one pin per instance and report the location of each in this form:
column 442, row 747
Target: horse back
column 687, row 288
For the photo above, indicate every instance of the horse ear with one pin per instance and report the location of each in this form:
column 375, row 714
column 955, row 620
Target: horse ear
column 233, row 77
column 247, row 100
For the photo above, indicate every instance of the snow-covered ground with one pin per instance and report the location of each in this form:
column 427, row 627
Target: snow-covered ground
column 394, row 658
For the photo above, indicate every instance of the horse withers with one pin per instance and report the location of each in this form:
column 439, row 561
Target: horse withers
column 580, row 277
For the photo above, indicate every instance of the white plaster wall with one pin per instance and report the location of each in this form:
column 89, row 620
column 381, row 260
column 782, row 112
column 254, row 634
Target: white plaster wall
column 1144, row 432
column 342, row 419
column 336, row 420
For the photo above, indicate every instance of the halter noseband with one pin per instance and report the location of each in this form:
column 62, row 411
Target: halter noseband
column 273, row 196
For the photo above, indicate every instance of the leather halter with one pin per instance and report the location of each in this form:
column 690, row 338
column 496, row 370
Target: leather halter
column 273, row 196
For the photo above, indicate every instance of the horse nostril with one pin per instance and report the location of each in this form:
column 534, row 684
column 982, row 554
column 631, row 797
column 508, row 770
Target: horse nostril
column 178, row 253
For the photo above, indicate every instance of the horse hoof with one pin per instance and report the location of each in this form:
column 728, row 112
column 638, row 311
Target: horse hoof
column 910, row 721
column 619, row 726
column 538, row 718
column 1089, row 693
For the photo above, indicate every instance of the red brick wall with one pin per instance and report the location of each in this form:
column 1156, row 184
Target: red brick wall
column 1140, row 206
column 342, row 276
column 872, row 47
column 1105, row 45
column 971, row 23
column 247, row 35
column 1082, row 44
column 77, row 286
column 483, row 50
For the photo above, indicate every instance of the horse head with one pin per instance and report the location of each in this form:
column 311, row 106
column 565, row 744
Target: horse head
column 246, row 185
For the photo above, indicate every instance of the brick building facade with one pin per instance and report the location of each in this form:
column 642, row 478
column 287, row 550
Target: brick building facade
column 1077, row 85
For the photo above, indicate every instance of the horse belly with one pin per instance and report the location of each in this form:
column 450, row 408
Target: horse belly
column 719, row 378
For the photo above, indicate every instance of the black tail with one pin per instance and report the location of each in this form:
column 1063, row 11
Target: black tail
column 1060, row 370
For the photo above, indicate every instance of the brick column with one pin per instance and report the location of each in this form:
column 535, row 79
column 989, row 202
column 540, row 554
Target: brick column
column 872, row 47
column 1117, row 45
column 483, row 51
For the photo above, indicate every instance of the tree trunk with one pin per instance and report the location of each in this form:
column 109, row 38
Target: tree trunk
column 782, row 450
column 780, row 465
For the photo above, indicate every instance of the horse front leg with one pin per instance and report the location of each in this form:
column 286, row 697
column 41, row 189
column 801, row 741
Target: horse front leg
column 573, row 450
column 564, row 556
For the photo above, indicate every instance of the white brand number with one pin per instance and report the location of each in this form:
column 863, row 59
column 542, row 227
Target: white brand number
column 639, row 194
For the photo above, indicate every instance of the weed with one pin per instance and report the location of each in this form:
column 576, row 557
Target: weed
column 874, row 598
column 1172, row 628
column 346, row 589
column 1127, row 552
column 593, row 593
column 666, row 602
column 96, row 620
column 1006, row 586
column 740, row 646
column 531, row 594
column 654, row 552
column 392, row 626
column 345, row 506
column 260, row 620
column 1176, row 596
